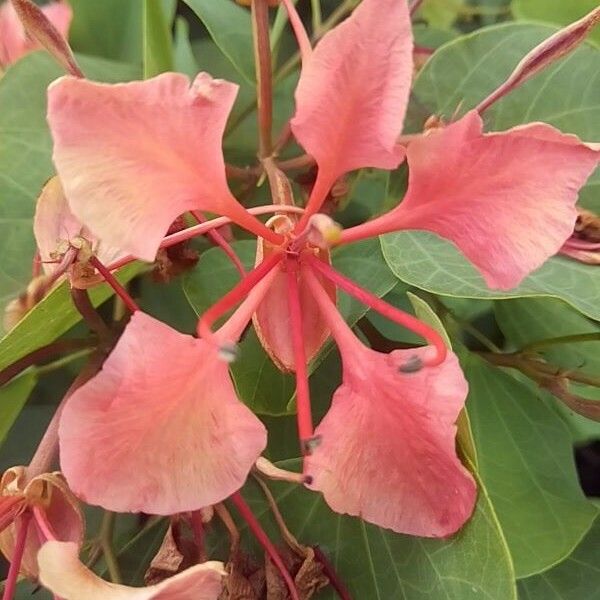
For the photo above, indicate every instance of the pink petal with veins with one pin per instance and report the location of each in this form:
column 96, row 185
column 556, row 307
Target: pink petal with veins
column 134, row 156
column 387, row 451
column 66, row 576
column 353, row 91
column 160, row 429
column 507, row 200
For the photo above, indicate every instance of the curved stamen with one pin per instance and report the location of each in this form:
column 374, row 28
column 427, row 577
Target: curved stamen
column 221, row 242
column 15, row 564
column 265, row 542
column 304, row 413
column 385, row 309
column 198, row 230
column 43, row 524
column 115, row 285
column 233, row 297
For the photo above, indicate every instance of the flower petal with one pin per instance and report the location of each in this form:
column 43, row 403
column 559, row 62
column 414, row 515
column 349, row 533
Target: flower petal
column 507, row 200
column 159, row 429
column 14, row 43
column 66, row 576
column 61, row 508
column 54, row 225
column 387, row 451
column 272, row 317
column 132, row 157
column 353, row 91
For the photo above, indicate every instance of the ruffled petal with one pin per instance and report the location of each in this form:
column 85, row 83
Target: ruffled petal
column 14, row 43
column 159, row 430
column 66, row 576
column 353, row 91
column 387, row 450
column 507, row 200
column 132, row 157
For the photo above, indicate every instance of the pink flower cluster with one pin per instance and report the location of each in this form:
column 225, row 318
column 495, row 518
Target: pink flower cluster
column 160, row 428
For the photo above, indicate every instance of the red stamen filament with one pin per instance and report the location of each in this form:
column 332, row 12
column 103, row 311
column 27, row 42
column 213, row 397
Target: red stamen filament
column 220, row 241
column 385, row 309
column 305, row 423
column 115, row 285
column 198, row 529
column 334, row 580
column 265, row 542
column 44, row 526
column 315, row 201
column 204, row 228
column 234, row 296
column 15, row 564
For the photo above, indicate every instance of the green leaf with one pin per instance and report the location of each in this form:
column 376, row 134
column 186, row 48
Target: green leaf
column 260, row 383
column 576, row 578
column 52, row 317
column 110, row 29
column 183, row 55
column 25, row 156
column 526, row 463
column 557, row 12
column 430, row 263
column 376, row 563
column 157, row 39
column 230, row 27
column 466, row 70
column 441, row 13
column 13, row 397
column 527, row 320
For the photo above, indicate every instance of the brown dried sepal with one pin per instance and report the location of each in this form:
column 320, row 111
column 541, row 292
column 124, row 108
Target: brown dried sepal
column 587, row 226
column 175, row 260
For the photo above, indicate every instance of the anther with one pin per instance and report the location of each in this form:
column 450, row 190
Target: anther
column 311, row 444
column 308, row 480
column 228, row 352
column 413, row 365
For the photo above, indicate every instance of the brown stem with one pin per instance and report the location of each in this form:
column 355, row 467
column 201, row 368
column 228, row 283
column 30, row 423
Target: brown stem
column 264, row 74
column 47, row 449
column 46, row 352
column 299, row 162
column 86, row 309
column 333, row 577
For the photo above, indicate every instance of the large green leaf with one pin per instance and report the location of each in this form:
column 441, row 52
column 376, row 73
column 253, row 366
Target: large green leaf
column 430, row 263
column 576, row 578
column 466, row 70
column 25, row 156
column 527, row 320
column 260, row 383
column 111, row 29
column 230, row 27
column 157, row 39
column 526, row 463
column 377, row 564
column 13, row 397
column 558, row 12
column 50, row 318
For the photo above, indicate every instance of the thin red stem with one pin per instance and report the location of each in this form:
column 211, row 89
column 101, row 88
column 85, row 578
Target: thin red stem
column 15, row 564
column 385, row 309
column 43, row 524
column 304, row 412
column 328, row 569
column 198, row 529
column 236, row 295
column 115, row 285
column 198, row 230
column 220, row 241
column 256, row 528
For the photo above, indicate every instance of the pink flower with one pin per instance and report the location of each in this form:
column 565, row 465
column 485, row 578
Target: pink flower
column 132, row 157
column 32, row 511
column 15, row 43
column 62, row 572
